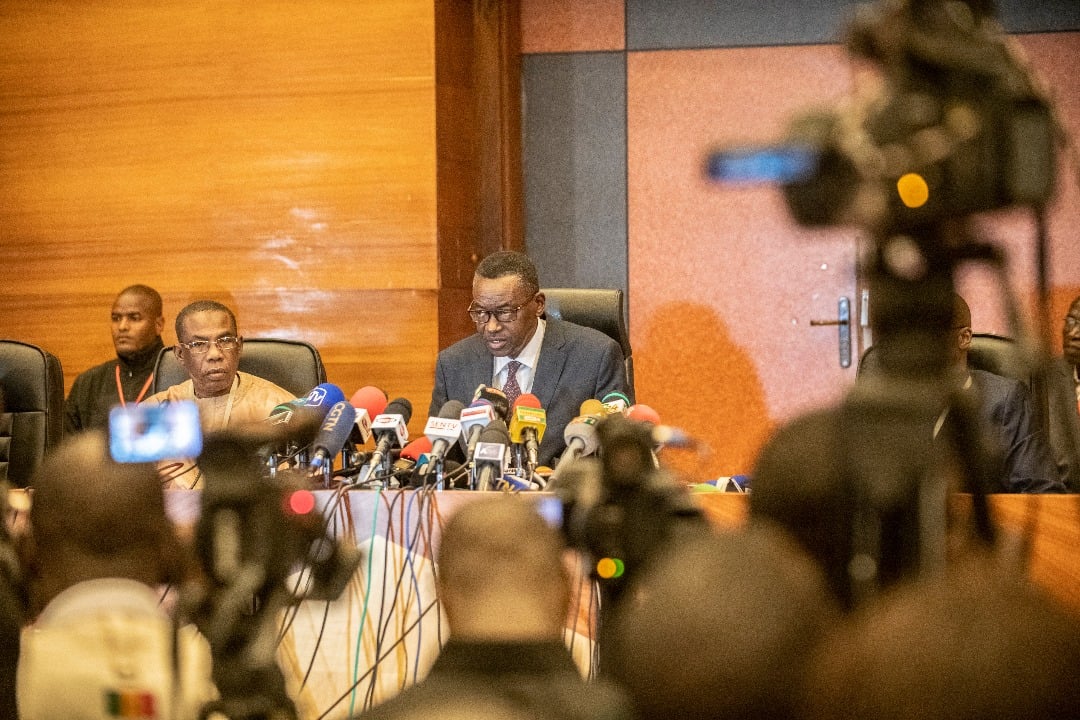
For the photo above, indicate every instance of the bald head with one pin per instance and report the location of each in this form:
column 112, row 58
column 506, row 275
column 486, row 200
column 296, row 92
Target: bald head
column 93, row 517
column 501, row 572
column 720, row 627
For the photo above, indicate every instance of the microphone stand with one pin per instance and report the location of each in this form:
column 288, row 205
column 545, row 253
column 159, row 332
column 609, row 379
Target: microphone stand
column 892, row 467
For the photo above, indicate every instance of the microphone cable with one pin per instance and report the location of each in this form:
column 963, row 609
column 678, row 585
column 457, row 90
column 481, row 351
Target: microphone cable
column 351, row 690
column 332, row 514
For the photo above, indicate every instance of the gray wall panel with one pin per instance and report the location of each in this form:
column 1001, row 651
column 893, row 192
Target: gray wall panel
column 660, row 24
column 575, row 168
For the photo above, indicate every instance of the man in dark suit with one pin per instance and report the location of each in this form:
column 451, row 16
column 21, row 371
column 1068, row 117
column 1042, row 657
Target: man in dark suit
column 519, row 351
column 1006, row 408
column 1063, row 387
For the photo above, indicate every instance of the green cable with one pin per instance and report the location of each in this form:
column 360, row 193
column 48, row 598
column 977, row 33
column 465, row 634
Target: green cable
column 367, row 596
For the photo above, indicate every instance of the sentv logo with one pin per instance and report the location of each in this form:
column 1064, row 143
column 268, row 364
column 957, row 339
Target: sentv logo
column 316, row 396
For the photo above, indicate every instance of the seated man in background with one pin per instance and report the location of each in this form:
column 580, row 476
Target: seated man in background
column 518, row 351
column 505, row 589
column 209, row 348
column 137, row 322
column 1006, row 408
column 103, row 646
column 1063, row 388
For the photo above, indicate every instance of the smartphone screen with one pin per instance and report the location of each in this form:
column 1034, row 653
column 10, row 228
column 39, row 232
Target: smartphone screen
column 139, row 433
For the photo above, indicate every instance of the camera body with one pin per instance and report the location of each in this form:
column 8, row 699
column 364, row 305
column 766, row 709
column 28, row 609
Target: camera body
column 957, row 127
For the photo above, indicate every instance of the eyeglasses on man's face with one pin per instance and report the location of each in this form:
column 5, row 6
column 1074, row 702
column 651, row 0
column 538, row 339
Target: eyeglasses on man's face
column 228, row 343
column 482, row 316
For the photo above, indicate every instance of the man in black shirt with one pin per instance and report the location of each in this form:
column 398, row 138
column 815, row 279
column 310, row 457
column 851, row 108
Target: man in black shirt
column 137, row 322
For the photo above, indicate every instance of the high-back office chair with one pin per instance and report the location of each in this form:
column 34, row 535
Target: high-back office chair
column 32, row 423
column 993, row 353
column 600, row 309
column 293, row 365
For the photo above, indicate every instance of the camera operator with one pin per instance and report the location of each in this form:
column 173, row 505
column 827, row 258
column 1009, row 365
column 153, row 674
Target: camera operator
column 102, row 646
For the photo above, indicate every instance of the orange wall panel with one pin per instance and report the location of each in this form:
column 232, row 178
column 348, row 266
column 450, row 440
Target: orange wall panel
column 549, row 26
column 722, row 281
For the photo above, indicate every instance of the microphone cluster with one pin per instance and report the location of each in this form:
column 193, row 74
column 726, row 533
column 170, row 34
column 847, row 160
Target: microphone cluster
column 490, row 444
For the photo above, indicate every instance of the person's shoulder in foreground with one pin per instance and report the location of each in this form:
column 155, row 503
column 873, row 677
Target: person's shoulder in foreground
column 505, row 589
column 103, row 546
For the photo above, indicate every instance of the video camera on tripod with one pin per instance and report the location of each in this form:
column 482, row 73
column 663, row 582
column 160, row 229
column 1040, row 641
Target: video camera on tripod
column 958, row 126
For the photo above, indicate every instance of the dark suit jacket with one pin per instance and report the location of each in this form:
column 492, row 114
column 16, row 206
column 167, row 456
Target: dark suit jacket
column 576, row 363
column 536, row 679
column 1064, row 422
column 1006, row 407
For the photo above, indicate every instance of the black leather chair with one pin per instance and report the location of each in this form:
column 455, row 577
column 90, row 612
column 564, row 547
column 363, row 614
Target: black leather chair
column 32, row 423
column 293, row 365
column 600, row 309
column 994, row 353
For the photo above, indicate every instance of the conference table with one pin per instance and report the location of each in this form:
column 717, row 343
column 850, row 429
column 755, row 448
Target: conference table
column 387, row 638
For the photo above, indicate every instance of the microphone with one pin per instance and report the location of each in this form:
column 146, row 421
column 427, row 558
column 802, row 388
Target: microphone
column 320, row 399
column 661, row 435
column 592, row 407
column 473, row 420
column 443, row 431
column 643, row 413
column 497, row 398
column 333, row 434
column 492, row 457
column 324, row 395
column 390, row 429
column 527, row 424
column 581, row 439
column 369, row 401
column 616, row 402
column 413, row 456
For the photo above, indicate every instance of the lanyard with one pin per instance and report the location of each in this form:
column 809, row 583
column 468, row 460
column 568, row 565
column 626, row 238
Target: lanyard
column 120, row 388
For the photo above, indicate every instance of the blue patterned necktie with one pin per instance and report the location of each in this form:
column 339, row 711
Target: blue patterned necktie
column 511, row 387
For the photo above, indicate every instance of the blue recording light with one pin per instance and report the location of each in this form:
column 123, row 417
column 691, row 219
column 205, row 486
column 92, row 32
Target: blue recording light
column 772, row 164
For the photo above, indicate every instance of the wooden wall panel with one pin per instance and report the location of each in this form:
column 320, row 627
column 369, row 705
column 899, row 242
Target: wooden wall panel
column 278, row 155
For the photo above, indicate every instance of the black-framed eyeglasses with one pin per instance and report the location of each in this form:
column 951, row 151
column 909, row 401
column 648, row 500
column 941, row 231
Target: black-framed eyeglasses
column 1071, row 324
column 227, row 343
column 482, row 316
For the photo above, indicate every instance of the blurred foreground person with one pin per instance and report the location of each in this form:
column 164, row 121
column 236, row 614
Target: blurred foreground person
column 975, row 643
column 720, row 627
column 102, row 647
column 506, row 591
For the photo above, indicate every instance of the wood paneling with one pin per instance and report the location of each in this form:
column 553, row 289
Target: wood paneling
column 478, row 99
column 278, row 156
